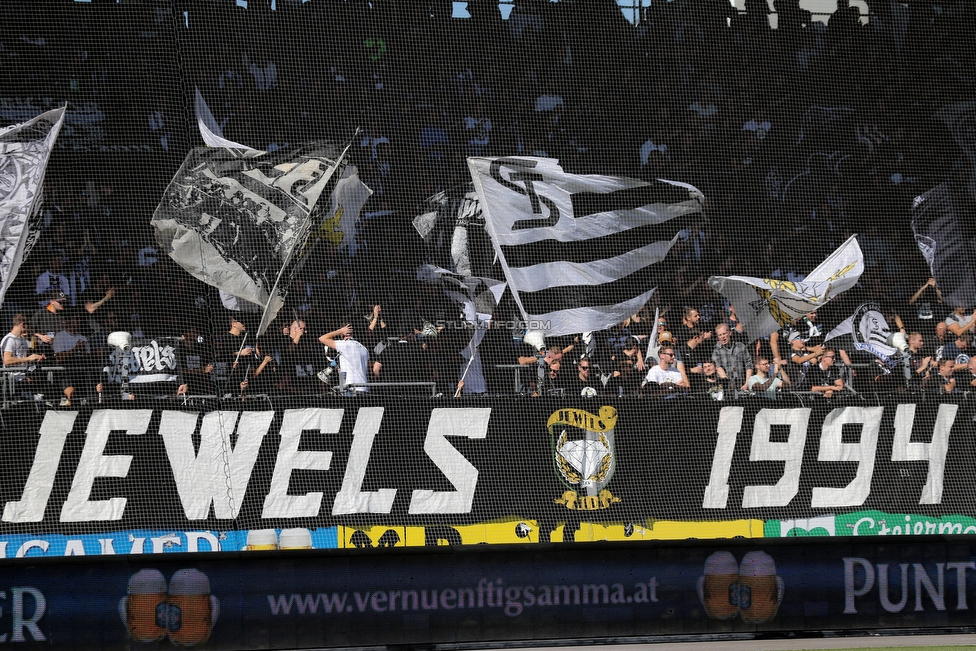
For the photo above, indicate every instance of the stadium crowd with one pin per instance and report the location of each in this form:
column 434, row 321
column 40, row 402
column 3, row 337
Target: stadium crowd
column 798, row 137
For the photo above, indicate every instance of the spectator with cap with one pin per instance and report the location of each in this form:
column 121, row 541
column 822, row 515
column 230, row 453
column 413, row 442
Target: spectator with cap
column 47, row 322
column 627, row 364
column 804, row 359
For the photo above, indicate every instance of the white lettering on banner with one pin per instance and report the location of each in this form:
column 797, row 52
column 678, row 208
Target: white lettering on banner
column 832, row 448
column 74, row 548
column 53, row 433
column 783, row 491
column 219, row 473
column 278, row 503
column 717, row 491
column 923, row 584
column 935, row 452
column 94, row 464
column 19, row 622
column 351, row 498
column 193, row 539
column 470, row 422
column 32, row 544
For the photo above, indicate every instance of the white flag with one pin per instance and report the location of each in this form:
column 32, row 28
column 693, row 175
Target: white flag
column 345, row 206
column 210, row 131
column 578, row 251
column 24, row 152
column 764, row 305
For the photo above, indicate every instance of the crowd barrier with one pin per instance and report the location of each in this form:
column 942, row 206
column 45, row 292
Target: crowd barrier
column 490, row 595
column 373, row 472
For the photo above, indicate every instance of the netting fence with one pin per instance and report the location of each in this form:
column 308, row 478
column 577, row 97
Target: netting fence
column 491, row 222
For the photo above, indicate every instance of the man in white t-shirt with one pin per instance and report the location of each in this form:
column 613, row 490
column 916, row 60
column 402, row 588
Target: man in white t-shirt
column 666, row 374
column 16, row 350
column 353, row 356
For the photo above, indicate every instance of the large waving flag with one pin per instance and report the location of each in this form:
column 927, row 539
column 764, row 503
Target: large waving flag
column 239, row 222
column 941, row 238
column 764, row 305
column 24, row 152
column 578, row 251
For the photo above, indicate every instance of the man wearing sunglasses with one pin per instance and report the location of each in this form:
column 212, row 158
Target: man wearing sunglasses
column 665, row 377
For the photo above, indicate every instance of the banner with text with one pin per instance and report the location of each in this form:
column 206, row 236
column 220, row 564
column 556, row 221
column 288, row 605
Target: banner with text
column 290, row 600
column 366, row 473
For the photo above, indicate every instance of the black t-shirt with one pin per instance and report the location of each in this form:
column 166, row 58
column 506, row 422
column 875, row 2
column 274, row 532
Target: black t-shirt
column 701, row 383
column 300, row 362
column 226, row 347
column 692, row 357
column 403, row 361
column 818, row 377
column 569, row 381
column 194, row 358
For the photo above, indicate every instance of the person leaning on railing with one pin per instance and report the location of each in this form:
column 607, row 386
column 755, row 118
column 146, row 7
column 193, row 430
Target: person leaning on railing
column 16, row 349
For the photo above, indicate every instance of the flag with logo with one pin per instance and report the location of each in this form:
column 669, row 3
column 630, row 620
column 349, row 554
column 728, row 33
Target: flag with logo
column 941, row 239
column 24, row 152
column 579, row 252
column 866, row 330
column 764, row 305
column 239, row 223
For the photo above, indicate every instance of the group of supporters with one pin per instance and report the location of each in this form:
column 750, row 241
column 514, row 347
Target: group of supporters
column 65, row 356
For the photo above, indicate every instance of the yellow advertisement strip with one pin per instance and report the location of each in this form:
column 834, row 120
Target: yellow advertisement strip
column 669, row 530
column 498, row 532
column 515, row 531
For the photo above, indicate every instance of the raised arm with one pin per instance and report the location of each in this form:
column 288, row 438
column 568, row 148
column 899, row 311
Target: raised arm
column 329, row 339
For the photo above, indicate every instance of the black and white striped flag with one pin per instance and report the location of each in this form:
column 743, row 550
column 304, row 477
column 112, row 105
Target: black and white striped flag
column 578, row 251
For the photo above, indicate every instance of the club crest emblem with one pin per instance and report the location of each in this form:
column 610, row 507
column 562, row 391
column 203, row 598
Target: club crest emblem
column 584, row 457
